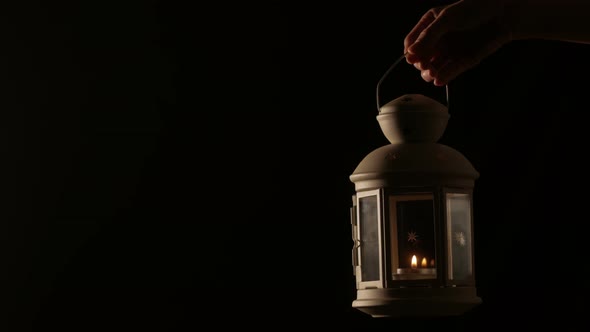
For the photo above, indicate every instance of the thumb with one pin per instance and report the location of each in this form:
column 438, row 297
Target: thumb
column 454, row 67
column 451, row 70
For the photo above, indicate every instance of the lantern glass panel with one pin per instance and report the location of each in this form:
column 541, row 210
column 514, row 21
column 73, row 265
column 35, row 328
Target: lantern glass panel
column 412, row 236
column 369, row 238
column 459, row 236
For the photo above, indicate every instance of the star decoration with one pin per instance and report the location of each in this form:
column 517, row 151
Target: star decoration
column 460, row 238
column 412, row 237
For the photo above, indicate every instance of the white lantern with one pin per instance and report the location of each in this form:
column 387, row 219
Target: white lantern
column 412, row 217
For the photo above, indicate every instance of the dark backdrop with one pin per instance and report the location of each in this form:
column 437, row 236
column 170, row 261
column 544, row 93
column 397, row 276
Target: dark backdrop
column 519, row 117
column 170, row 166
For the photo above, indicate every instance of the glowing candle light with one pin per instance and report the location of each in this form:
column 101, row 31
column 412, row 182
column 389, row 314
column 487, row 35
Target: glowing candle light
column 415, row 273
column 432, row 263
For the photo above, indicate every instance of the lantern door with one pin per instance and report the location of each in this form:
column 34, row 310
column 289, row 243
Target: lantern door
column 412, row 237
column 368, row 241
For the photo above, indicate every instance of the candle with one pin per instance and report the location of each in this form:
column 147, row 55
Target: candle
column 414, row 272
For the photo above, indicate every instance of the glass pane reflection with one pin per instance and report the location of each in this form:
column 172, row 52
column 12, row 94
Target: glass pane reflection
column 369, row 233
column 459, row 235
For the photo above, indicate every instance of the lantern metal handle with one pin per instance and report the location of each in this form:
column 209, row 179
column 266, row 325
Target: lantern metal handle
column 387, row 73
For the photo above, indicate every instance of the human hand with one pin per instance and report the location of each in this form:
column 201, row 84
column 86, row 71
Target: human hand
column 451, row 39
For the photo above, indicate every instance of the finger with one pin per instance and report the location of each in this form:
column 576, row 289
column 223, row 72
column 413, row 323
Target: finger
column 426, row 41
column 422, row 24
column 426, row 75
column 412, row 58
column 422, row 64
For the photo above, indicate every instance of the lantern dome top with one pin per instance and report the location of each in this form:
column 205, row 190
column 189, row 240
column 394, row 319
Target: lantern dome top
column 413, row 118
column 413, row 103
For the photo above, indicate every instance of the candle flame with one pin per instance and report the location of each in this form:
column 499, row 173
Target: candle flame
column 414, row 262
column 432, row 262
column 424, row 262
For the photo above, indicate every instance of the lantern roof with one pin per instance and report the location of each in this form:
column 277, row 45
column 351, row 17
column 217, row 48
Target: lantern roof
column 414, row 158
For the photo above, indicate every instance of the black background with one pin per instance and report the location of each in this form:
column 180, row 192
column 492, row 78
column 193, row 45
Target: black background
column 170, row 166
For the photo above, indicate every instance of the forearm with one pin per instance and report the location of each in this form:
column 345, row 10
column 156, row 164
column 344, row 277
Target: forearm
column 566, row 20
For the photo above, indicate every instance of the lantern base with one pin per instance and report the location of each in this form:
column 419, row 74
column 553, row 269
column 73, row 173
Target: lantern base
column 416, row 302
